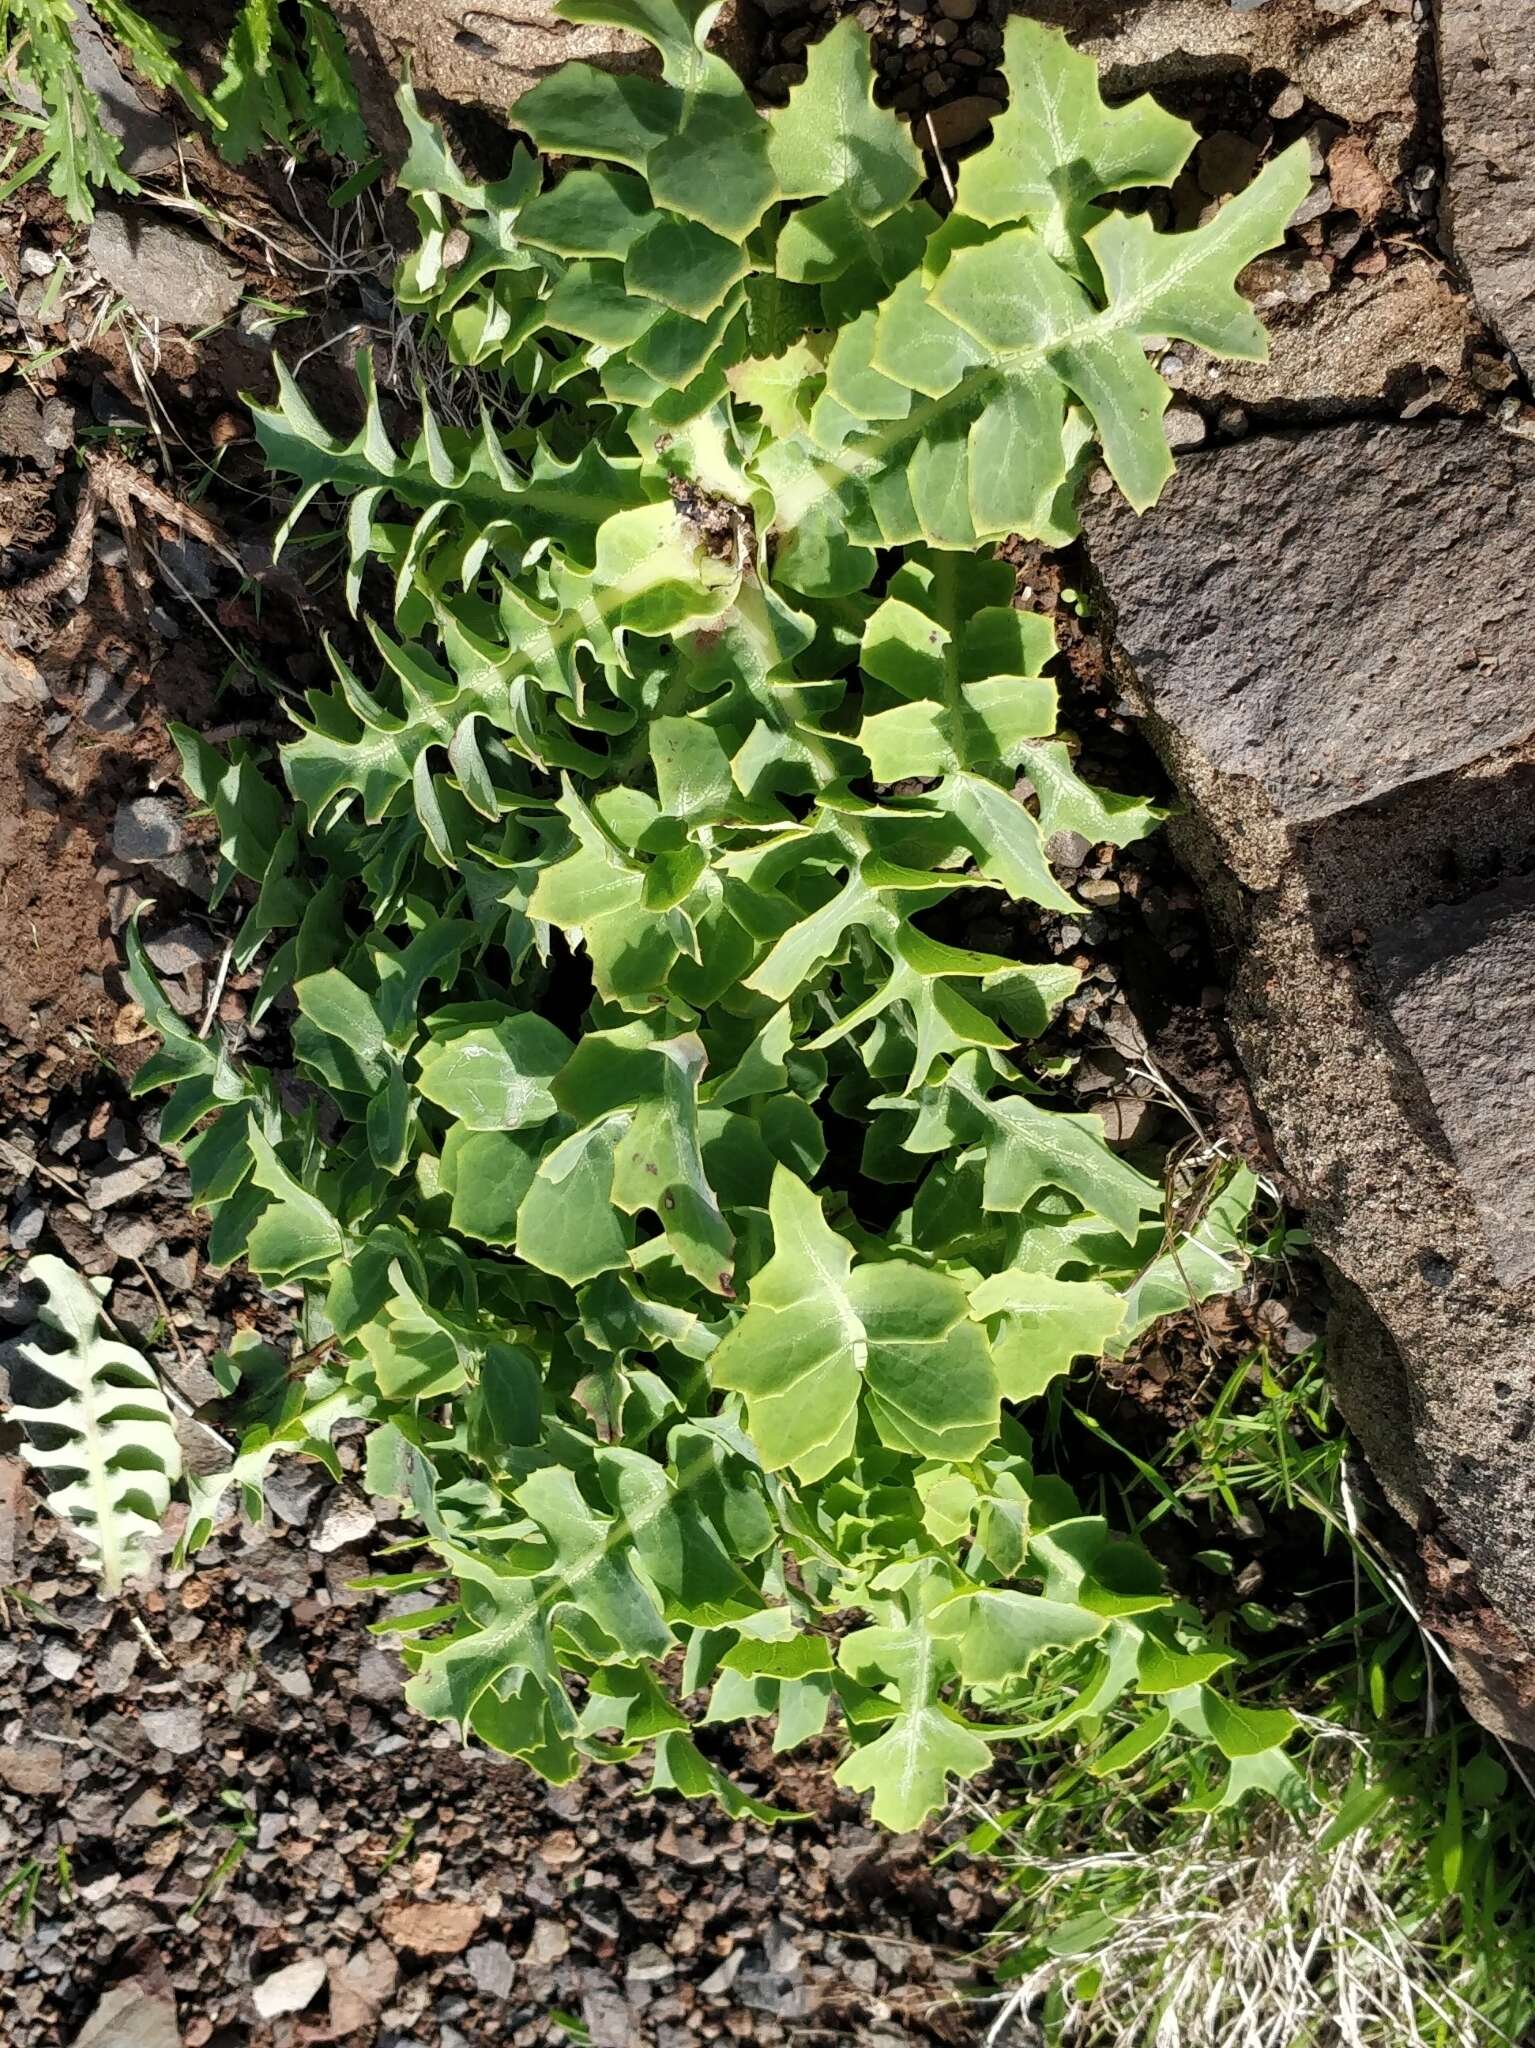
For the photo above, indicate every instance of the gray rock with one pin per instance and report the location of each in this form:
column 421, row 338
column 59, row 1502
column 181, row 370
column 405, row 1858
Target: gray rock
column 184, row 946
column 1067, row 849
column 178, row 1269
column 165, row 273
column 177, row 1730
column 62, row 1661
column 345, row 1521
column 1460, row 980
column 146, row 144
column 293, row 1679
column 718, row 1982
column 491, row 1967
column 768, row 1990
column 145, row 138
column 190, row 563
column 291, row 1489
column 649, row 1965
column 26, row 1223
column 23, row 436
column 548, row 1944
column 105, row 700
column 121, row 1183
column 59, row 425
column 1328, row 638
column 609, row 2021
column 380, row 1675
column 131, row 1237
column 137, row 2014
column 146, row 829
column 1278, row 600
column 1487, row 86
column 289, row 1989
column 781, row 1949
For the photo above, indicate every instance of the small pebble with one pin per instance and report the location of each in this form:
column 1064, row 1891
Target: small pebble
column 177, row 1730
column 491, row 1967
column 1184, row 427
column 290, row 1989
column 146, row 828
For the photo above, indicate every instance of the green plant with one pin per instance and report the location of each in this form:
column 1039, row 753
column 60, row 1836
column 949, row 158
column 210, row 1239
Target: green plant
column 632, row 899
column 279, row 83
column 284, row 80
column 1397, row 1913
column 107, row 1440
column 37, row 38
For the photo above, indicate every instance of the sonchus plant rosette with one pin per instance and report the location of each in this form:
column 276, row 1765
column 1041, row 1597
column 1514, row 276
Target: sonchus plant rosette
column 674, row 1199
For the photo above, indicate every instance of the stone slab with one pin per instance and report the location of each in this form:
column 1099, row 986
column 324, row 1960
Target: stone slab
column 1460, row 982
column 1487, row 88
column 1334, row 617
column 1308, row 621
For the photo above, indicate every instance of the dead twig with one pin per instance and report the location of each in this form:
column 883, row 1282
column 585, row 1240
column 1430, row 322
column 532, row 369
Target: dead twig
column 112, row 484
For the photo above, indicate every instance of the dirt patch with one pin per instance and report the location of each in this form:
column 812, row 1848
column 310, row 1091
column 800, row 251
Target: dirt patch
column 55, row 937
column 254, row 1726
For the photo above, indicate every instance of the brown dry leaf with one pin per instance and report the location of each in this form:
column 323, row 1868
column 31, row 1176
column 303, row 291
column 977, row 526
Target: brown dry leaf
column 431, row 1929
column 130, row 1026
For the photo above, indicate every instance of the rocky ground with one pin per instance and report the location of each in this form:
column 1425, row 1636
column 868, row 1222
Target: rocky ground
column 215, row 1799
column 216, row 1794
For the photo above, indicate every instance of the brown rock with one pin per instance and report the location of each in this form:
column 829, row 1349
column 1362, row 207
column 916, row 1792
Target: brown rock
column 1127, row 1120
column 1356, row 184
column 35, row 1769
column 1369, row 341
column 957, row 122
column 15, row 1512
column 431, row 1927
column 1487, row 87
column 361, row 1987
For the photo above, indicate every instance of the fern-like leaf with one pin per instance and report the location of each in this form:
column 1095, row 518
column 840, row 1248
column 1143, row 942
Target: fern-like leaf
column 109, row 1437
